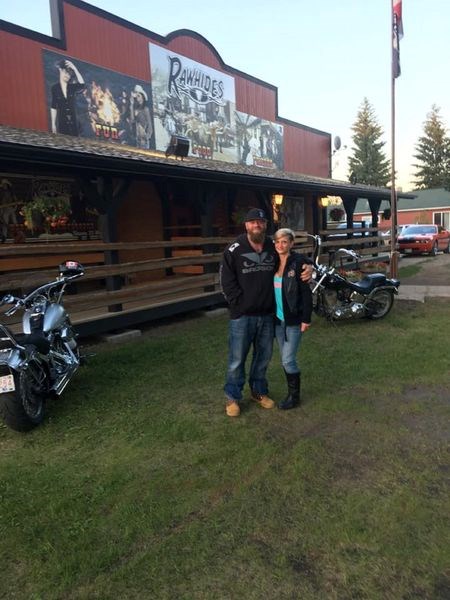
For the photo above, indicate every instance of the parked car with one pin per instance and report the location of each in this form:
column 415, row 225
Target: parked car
column 356, row 234
column 417, row 239
column 386, row 233
column 356, row 225
column 401, row 228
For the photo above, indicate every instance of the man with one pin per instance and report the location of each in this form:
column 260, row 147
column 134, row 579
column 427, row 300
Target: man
column 246, row 277
column 63, row 111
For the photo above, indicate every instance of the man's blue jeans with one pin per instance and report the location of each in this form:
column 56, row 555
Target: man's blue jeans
column 244, row 333
column 288, row 338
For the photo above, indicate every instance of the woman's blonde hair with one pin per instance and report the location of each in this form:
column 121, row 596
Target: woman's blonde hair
column 284, row 232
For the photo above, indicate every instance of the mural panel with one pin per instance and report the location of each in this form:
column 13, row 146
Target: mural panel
column 259, row 142
column 193, row 100
column 89, row 101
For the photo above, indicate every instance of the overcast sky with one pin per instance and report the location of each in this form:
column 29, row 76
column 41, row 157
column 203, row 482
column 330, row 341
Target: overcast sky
column 324, row 57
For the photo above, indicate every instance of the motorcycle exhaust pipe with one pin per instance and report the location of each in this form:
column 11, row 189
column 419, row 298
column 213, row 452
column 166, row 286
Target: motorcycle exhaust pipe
column 61, row 384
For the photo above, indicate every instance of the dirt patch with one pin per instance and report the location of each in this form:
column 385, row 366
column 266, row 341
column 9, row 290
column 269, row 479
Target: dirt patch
column 433, row 270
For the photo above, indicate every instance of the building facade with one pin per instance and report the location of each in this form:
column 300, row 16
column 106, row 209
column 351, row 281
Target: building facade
column 112, row 134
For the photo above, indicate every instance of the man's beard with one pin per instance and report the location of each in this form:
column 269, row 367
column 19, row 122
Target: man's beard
column 257, row 237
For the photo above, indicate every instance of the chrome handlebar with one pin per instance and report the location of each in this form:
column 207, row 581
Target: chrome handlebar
column 21, row 302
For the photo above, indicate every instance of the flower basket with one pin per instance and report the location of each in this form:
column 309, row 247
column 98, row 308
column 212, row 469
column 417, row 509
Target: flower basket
column 374, row 267
column 49, row 212
column 336, row 213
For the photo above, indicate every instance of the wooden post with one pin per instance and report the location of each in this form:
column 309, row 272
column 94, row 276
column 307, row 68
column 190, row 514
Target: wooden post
column 107, row 200
column 162, row 188
column 349, row 205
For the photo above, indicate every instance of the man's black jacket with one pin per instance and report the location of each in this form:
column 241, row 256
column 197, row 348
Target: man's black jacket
column 246, row 278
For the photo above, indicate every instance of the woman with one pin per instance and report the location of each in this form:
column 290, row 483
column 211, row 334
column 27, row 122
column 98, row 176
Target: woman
column 140, row 117
column 293, row 311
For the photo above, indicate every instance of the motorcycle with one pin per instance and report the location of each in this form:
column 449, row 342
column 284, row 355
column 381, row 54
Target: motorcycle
column 335, row 297
column 40, row 361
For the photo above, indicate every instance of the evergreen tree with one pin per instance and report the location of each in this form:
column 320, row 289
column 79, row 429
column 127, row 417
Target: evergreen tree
column 433, row 153
column 369, row 163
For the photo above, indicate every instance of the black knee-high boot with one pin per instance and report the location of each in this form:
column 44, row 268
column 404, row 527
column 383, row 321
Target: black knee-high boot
column 293, row 397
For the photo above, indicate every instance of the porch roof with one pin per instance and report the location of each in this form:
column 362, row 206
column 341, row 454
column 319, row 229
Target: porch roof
column 76, row 154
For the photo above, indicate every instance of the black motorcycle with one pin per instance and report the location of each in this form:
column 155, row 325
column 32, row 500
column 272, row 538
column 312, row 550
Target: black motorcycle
column 42, row 359
column 336, row 297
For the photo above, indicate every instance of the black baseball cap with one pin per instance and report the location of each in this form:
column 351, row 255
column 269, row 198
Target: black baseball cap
column 255, row 214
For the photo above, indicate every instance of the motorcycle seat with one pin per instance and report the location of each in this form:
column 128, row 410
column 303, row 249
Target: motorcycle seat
column 369, row 282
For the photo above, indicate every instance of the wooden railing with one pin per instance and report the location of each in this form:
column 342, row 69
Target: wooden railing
column 123, row 287
column 115, row 285
column 368, row 246
column 366, row 241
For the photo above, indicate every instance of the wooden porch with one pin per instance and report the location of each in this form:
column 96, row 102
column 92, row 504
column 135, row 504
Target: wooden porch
column 116, row 292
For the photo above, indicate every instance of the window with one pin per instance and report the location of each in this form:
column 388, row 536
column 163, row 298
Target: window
column 292, row 213
column 442, row 218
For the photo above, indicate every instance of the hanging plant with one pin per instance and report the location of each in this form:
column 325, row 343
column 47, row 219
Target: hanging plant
column 55, row 211
column 337, row 213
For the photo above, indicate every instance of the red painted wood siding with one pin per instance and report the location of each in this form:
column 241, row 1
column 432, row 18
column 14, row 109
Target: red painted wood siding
column 306, row 152
column 106, row 44
column 22, row 98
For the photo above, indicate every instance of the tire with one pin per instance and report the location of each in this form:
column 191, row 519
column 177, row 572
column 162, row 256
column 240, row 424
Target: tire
column 24, row 409
column 434, row 249
column 380, row 304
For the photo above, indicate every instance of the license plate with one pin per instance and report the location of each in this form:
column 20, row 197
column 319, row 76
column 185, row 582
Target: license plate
column 408, row 250
column 7, row 384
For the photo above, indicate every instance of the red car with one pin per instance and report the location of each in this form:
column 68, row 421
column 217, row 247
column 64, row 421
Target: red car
column 416, row 239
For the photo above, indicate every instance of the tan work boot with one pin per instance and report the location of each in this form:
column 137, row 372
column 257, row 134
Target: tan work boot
column 263, row 400
column 232, row 408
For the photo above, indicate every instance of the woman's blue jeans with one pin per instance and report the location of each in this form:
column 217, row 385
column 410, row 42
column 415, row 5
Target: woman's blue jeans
column 288, row 338
column 244, row 333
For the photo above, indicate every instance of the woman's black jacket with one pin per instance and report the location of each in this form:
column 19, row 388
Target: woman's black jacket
column 296, row 294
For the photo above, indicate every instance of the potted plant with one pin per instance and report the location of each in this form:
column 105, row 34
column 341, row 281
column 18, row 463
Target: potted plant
column 336, row 213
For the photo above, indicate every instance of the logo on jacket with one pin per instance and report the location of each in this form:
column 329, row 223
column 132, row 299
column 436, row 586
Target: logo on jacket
column 258, row 262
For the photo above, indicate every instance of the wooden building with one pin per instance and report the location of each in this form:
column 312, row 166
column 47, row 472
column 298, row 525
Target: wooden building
column 138, row 154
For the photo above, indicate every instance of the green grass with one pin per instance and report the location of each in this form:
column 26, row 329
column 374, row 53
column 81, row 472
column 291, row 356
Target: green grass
column 409, row 271
column 138, row 485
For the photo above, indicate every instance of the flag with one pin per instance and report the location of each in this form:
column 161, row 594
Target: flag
column 397, row 34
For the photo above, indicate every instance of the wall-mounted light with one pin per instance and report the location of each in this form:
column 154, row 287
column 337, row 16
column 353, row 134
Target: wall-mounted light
column 330, row 201
column 278, row 199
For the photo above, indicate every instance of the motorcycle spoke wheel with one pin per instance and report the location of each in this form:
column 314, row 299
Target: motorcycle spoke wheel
column 24, row 409
column 30, row 387
column 380, row 304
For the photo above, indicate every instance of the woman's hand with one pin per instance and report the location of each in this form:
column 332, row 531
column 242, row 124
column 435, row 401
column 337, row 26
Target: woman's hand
column 69, row 65
column 306, row 273
column 304, row 327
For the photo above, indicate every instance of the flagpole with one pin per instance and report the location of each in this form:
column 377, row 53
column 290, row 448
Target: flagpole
column 394, row 253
